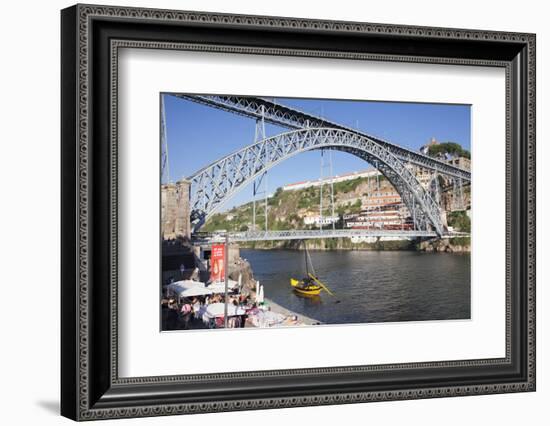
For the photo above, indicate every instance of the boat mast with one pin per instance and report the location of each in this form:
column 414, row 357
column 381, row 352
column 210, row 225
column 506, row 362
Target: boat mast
column 309, row 262
column 305, row 257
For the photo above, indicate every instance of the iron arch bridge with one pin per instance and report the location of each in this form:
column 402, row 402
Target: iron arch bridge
column 268, row 110
column 211, row 186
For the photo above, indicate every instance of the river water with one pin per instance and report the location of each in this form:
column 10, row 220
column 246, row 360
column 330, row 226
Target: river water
column 369, row 286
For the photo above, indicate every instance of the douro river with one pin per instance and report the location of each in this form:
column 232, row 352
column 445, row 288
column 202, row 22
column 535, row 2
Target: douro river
column 369, row 286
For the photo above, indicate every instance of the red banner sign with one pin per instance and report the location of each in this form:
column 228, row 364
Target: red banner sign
column 217, row 262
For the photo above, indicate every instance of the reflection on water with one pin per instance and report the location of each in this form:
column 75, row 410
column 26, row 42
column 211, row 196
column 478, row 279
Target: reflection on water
column 369, row 286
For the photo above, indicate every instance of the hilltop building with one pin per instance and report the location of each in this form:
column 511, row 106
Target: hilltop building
column 461, row 162
column 317, row 220
column 424, row 149
column 390, row 216
column 335, row 179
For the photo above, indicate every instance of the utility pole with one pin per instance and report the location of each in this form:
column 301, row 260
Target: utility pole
column 325, row 166
column 331, row 190
column 226, row 277
column 265, row 207
column 321, row 194
column 254, row 205
column 378, row 195
column 259, row 135
column 267, row 153
column 257, row 184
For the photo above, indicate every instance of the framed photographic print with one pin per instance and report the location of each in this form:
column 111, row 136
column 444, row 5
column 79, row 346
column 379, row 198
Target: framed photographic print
column 265, row 212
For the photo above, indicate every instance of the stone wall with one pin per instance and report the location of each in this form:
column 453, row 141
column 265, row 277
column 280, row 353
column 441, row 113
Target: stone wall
column 175, row 220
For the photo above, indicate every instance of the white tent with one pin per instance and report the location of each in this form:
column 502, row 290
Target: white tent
column 218, row 309
column 179, row 287
column 185, row 284
column 196, row 291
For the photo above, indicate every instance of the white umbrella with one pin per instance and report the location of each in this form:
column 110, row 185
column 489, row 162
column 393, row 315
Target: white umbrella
column 177, row 288
column 196, row 291
column 261, row 297
column 218, row 309
column 189, row 283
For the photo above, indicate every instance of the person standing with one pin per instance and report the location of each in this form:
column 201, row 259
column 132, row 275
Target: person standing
column 186, row 312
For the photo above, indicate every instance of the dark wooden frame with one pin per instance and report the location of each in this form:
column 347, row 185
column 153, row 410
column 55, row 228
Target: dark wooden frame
column 90, row 386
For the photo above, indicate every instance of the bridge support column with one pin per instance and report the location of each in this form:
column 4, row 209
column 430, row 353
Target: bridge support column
column 175, row 210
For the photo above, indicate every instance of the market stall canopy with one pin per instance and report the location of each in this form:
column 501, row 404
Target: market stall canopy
column 196, row 291
column 217, row 310
column 179, row 287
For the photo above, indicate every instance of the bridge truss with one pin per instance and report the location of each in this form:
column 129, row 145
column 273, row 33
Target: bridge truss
column 219, row 181
column 292, row 118
column 214, row 184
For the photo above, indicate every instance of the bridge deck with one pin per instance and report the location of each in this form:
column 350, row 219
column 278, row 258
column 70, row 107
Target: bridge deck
column 313, row 234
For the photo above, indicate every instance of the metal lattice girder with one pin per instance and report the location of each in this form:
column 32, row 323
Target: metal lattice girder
column 292, row 118
column 219, row 181
column 313, row 234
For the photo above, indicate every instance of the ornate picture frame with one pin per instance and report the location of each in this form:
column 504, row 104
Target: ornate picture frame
column 91, row 37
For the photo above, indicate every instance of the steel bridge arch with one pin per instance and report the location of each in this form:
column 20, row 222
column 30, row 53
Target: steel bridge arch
column 216, row 183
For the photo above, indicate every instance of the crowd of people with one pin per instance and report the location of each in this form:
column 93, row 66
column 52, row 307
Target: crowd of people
column 191, row 313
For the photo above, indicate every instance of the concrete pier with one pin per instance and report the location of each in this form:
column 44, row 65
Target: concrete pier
column 302, row 319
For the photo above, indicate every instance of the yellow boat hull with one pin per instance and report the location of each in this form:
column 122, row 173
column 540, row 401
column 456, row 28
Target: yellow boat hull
column 316, row 292
column 310, row 290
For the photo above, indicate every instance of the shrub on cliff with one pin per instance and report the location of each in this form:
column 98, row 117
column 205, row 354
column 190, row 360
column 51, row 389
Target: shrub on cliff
column 460, row 241
column 459, row 220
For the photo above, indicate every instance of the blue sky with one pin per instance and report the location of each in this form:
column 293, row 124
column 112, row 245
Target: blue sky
column 199, row 135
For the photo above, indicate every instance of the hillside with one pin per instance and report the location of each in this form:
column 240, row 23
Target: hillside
column 286, row 209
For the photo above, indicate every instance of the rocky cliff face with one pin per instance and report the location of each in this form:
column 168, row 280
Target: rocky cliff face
column 452, row 245
column 243, row 268
column 446, row 245
column 330, row 244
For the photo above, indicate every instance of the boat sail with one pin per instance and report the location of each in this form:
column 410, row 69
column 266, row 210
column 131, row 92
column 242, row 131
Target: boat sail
column 310, row 285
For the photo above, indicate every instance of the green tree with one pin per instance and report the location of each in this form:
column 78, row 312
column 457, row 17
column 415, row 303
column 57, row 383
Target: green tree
column 451, row 149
